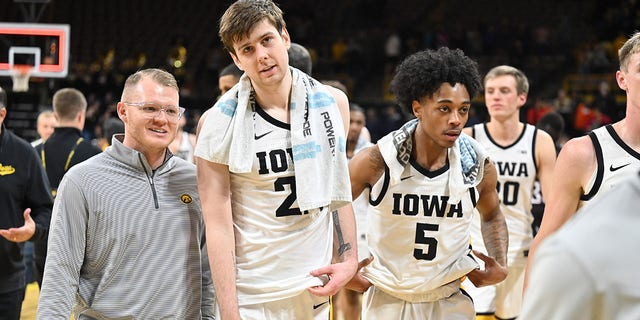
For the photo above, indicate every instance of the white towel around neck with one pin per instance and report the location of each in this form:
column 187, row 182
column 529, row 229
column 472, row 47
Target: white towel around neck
column 466, row 159
column 319, row 153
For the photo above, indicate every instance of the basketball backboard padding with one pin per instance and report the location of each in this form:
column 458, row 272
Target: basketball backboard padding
column 32, row 39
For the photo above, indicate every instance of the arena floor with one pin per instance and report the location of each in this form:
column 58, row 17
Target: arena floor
column 30, row 303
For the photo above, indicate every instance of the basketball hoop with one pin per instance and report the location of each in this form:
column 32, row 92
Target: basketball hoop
column 20, row 74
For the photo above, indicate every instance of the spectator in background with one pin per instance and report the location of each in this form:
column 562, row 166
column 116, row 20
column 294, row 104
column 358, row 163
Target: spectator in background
column 64, row 149
column 538, row 110
column 586, row 117
column 25, row 212
column 300, row 58
column 375, row 124
column 606, row 104
column 228, row 77
column 553, row 124
column 391, row 119
column 45, row 124
column 563, row 104
column 111, row 126
column 392, row 50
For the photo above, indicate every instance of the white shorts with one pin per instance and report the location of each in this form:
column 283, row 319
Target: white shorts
column 503, row 299
column 304, row 306
column 377, row 304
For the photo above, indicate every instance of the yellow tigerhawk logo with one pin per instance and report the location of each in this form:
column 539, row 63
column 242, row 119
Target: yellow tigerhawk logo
column 185, row 198
column 5, row 170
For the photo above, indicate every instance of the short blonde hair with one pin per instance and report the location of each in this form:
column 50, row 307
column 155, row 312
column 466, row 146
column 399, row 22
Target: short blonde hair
column 159, row 76
column 629, row 48
column 522, row 83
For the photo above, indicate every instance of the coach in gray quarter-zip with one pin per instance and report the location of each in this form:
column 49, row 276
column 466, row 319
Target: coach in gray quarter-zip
column 127, row 235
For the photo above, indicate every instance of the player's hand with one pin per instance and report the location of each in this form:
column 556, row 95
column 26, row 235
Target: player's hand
column 493, row 272
column 23, row 233
column 338, row 273
column 358, row 282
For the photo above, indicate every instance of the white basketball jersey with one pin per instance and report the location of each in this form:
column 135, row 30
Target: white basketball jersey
column 517, row 172
column 419, row 242
column 276, row 244
column 185, row 150
column 616, row 162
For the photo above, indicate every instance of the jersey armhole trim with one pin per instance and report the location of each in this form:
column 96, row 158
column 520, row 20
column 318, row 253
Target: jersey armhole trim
column 599, row 171
column 473, row 196
column 533, row 153
column 383, row 190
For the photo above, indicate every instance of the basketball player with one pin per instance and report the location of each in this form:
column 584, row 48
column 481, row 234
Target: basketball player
column 567, row 281
column 271, row 223
column 521, row 154
column 184, row 143
column 418, row 235
column 228, row 77
column 594, row 163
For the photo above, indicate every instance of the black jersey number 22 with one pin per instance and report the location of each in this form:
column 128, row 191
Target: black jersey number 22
column 285, row 209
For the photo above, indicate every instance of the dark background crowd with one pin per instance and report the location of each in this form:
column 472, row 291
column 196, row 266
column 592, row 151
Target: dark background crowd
column 567, row 48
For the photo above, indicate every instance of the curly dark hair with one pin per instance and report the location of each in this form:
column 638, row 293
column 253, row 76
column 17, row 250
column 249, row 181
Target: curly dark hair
column 422, row 73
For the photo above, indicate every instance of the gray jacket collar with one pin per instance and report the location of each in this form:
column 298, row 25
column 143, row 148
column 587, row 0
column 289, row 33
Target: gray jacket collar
column 133, row 157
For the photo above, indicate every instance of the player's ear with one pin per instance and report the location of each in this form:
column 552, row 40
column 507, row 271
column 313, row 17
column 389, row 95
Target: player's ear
column 522, row 99
column 286, row 38
column 416, row 107
column 621, row 79
column 236, row 60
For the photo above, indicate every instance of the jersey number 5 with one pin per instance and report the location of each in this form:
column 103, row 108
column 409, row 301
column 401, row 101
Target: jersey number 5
column 421, row 238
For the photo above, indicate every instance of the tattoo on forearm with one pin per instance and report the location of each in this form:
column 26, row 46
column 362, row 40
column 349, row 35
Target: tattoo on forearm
column 342, row 246
column 496, row 239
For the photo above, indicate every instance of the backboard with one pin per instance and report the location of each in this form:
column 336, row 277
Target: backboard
column 45, row 47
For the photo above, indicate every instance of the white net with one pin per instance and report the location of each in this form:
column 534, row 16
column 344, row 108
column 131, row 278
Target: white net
column 20, row 75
